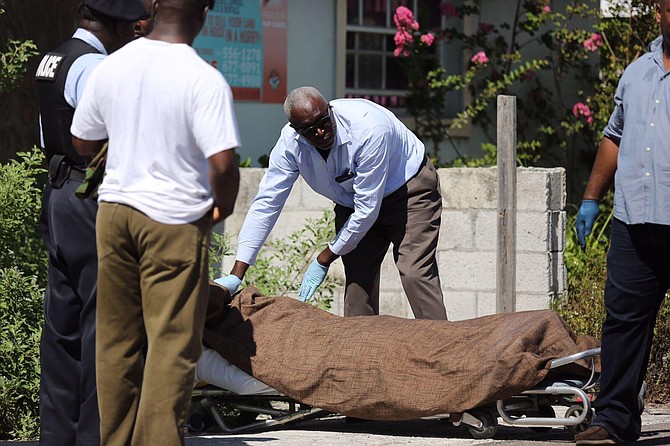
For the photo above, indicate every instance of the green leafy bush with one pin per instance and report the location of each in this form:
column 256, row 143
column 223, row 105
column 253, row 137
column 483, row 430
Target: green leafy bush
column 583, row 308
column 219, row 247
column 279, row 271
column 23, row 269
column 21, row 244
column 563, row 64
column 14, row 59
column 21, row 314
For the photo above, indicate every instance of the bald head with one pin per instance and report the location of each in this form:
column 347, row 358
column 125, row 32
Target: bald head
column 179, row 21
column 303, row 99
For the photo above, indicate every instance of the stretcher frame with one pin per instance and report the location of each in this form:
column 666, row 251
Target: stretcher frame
column 207, row 406
column 533, row 408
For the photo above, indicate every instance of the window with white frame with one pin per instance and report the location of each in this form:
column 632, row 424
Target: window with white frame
column 371, row 69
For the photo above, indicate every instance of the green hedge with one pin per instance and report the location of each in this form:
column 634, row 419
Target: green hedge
column 23, row 270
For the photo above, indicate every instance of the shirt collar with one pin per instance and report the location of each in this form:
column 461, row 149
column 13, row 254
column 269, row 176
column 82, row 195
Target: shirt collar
column 91, row 39
column 343, row 131
column 656, row 51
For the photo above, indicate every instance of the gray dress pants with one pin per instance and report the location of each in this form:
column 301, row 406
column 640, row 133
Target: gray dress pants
column 410, row 220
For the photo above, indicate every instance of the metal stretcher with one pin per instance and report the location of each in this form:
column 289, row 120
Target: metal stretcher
column 535, row 408
column 217, row 410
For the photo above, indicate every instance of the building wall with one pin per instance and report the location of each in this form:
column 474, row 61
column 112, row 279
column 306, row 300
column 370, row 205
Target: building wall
column 314, row 41
column 311, row 61
column 467, row 247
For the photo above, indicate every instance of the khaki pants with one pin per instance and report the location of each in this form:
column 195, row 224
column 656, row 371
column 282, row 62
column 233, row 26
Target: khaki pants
column 152, row 281
column 410, row 219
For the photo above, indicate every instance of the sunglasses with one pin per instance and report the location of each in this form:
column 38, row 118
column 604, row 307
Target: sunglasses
column 322, row 123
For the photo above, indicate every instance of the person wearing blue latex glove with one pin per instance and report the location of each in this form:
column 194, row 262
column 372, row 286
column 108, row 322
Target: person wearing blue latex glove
column 386, row 193
column 314, row 277
column 231, row 281
column 588, row 212
column 634, row 156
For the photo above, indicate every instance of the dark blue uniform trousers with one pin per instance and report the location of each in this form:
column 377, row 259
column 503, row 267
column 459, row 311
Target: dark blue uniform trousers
column 68, row 402
column 638, row 276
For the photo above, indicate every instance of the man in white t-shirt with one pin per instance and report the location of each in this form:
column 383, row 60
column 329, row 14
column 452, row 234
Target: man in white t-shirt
column 171, row 174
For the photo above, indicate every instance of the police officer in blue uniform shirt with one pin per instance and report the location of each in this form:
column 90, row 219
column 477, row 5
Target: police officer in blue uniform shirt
column 68, row 401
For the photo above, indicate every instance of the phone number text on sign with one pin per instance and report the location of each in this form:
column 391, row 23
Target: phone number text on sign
column 242, row 67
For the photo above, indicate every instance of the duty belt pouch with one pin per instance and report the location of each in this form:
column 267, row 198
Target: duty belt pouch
column 59, row 171
column 95, row 172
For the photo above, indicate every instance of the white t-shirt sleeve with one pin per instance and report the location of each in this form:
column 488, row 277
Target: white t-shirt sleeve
column 87, row 122
column 214, row 124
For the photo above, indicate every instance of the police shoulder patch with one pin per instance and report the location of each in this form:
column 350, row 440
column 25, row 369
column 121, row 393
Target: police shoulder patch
column 48, row 67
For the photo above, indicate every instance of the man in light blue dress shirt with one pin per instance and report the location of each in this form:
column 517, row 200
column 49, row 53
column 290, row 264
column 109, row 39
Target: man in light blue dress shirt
column 386, row 191
column 634, row 154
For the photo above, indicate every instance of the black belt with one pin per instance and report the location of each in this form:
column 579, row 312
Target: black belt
column 61, row 170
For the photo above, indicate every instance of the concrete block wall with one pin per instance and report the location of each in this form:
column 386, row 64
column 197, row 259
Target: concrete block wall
column 467, row 247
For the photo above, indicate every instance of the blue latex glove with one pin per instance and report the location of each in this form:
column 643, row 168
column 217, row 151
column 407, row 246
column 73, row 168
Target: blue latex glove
column 314, row 277
column 231, row 281
column 588, row 212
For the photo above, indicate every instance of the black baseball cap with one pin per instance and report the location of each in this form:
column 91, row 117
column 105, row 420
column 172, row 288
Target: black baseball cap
column 121, row 10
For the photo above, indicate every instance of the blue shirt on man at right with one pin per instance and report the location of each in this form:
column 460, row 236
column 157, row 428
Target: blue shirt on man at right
column 642, row 180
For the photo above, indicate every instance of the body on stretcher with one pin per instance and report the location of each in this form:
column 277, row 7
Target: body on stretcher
column 232, row 390
column 228, row 400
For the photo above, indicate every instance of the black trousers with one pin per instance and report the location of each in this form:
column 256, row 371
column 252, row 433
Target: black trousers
column 68, row 401
column 409, row 219
column 638, row 276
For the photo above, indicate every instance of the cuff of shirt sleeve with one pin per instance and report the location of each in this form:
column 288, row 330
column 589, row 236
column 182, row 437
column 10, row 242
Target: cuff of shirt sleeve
column 339, row 248
column 246, row 255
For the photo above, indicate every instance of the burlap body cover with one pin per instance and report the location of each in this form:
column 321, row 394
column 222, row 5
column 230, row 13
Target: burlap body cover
column 384, row 367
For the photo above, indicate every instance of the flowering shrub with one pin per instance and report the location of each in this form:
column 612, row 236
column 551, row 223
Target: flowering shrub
column 564, row 96
column 593, row 43
column 582, row 110
column 479, row 58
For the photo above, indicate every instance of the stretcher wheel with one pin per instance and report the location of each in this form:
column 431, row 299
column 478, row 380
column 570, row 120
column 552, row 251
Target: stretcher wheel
column 574, row 412
column 544, row 411
column 489, row 424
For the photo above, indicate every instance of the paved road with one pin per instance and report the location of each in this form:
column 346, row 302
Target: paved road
column 335, row 432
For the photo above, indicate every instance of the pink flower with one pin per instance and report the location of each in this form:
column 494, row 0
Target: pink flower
column 485, row 28
column 479, row 58
column 428, row 39
column 404, row 18
column 448, row 9
column 593, row 43
column 582, row 110
column 400, row 52
column 401, row 38
column 546, row 9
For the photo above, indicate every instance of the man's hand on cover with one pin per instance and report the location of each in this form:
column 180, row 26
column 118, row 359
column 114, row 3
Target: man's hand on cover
column 588, row 212
column 231, row 281
column 314, row 277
